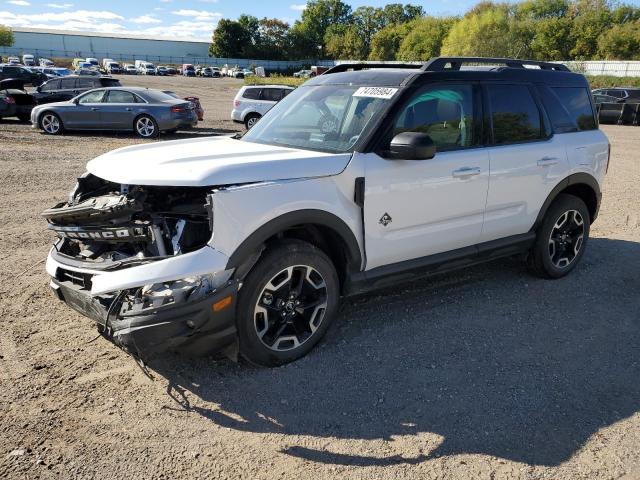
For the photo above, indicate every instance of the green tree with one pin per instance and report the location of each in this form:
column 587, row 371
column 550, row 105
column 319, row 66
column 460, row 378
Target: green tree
column 344, row 42
column 386, row 42
column 308, row 33
column 591, row 19
column 424, row 39
column 367, row 20
column 6, row 36
column 274, row 42
column 490, row 31
column 397, row 13
column 620, row 42
column 230, row 39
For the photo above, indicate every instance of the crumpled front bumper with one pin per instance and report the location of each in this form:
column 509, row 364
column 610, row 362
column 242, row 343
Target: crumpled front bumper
column 195, row 327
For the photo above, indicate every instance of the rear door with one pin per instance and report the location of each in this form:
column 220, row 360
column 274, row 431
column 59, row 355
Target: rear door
column 119, row 108
column 68, row 89
column 527, row 161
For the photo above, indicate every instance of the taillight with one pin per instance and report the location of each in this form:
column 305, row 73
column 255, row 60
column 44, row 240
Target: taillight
column 236, row 103
column 9, row 100
column 178, row 109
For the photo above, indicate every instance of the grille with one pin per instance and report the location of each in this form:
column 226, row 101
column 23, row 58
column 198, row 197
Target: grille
column 83, row 280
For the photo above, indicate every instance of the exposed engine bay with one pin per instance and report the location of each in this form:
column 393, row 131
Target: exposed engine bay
column 105, row 224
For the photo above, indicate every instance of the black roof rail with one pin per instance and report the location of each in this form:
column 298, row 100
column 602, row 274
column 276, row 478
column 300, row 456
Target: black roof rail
column 439, row 64
column 343, row 67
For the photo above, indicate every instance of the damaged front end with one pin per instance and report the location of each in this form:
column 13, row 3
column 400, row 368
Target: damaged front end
column 136, row 260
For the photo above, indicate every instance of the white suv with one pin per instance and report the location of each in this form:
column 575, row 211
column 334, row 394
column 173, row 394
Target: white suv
column 252, row 102
column 365, row 176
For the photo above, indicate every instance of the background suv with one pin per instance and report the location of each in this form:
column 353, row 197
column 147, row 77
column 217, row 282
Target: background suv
column 252, row 102
column 626, row 95
column 65, row 88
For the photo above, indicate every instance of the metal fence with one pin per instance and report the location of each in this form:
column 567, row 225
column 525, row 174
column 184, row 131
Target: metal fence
column 596, row 67
column 173, row 60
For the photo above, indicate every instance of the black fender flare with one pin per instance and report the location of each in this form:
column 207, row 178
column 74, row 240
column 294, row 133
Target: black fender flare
column 298, row 217
column 574, row 179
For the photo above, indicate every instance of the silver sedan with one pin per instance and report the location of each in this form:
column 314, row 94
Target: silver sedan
column 147, row 112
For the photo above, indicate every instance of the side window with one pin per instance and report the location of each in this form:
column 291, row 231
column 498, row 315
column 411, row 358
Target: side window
column 92, row 97
column 68, row 84
column 514, row 114
column 272, row 94
column 120, row 96
column 86, row 83
column 251, row 94
column 285, row 92
column 51, row 85
column 444, row 112
column 575, row 101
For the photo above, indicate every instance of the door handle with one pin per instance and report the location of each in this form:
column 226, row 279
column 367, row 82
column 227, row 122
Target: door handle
column 547, row 161
column 94, row 109
column 128, row 109
column 466, row 172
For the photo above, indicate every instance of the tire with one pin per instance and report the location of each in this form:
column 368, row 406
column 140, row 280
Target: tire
column 145, row 126
column 51, row 124
column 251, row 120
column 274, row 326
column 561, row 239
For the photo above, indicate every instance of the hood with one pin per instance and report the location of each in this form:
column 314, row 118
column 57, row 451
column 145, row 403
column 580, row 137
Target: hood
column 212, row 161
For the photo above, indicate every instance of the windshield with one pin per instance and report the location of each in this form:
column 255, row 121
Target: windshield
column 327, row 118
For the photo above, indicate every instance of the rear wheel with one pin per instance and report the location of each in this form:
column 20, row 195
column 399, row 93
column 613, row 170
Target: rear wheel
column 251, row 120
column 146, row 127
column 561, row 239
column 51, row 123
column 286, row 304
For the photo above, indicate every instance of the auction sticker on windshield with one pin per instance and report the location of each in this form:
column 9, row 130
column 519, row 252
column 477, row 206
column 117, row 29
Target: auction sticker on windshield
column 375, row 92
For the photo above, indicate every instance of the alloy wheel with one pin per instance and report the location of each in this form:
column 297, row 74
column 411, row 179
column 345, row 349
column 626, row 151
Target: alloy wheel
column 566, row 239
column 145, row 127
column 251, row 122
column 50, row 123
column 290, row 308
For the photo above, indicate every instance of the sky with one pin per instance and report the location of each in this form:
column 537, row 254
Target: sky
column 169, row 18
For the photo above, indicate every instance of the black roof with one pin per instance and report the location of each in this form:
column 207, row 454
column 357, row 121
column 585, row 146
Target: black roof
column 449, row 69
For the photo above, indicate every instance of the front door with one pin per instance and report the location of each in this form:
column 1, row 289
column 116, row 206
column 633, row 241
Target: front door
column 416, row 208
column 119, row 110
column 86, row 113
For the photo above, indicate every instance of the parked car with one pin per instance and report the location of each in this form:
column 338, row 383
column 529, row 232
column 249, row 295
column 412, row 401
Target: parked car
column 356, row 180
column 252, row 102
column 17, row 72
column 171, row 71
column 45, row 62
column 15, row 101
column 90, row 72
column 623, row 94
column 206, row 72
column 28, row 60
column 130, row 69
column 215, row 72
column 188, row 70
column 302, row 74
column 147, row 112
column 194, row 100
column 92, row 62
column 602, row 98
column 113, row 68
column 13, row 61
column 162, row 71
column 66, row 88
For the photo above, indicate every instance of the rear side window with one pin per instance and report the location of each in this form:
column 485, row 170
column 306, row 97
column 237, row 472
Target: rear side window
column 272, row 94
column 251, row 94
column 87, row 83
column 120, row 96
column 68, row 84
column 51, row 85
column 514, row 114
column 569, row 108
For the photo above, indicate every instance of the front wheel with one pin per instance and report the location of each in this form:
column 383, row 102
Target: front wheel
column 146, row 127
column 286, row 304
column 561, row 239
column 51, row 123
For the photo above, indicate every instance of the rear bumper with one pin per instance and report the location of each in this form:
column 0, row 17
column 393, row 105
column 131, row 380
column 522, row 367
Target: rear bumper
column 193, row 327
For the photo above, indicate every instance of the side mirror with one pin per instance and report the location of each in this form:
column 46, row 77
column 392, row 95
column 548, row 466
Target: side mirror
column 39, row 88
column 75, row 100
column 412, row 146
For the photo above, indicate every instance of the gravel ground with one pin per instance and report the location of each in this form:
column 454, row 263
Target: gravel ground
column 486, row 373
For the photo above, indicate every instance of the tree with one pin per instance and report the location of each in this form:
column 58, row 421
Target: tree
column 397, row 13
column 490, row 31
column 591, row 19
column 6, row 36
column 274, row 39
column 620, row 42
column 424, row 39
column 251, row 26
column 386, row 42
column 368, row 20
column 230, row 39
column 345, row 43
column 309, row 32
